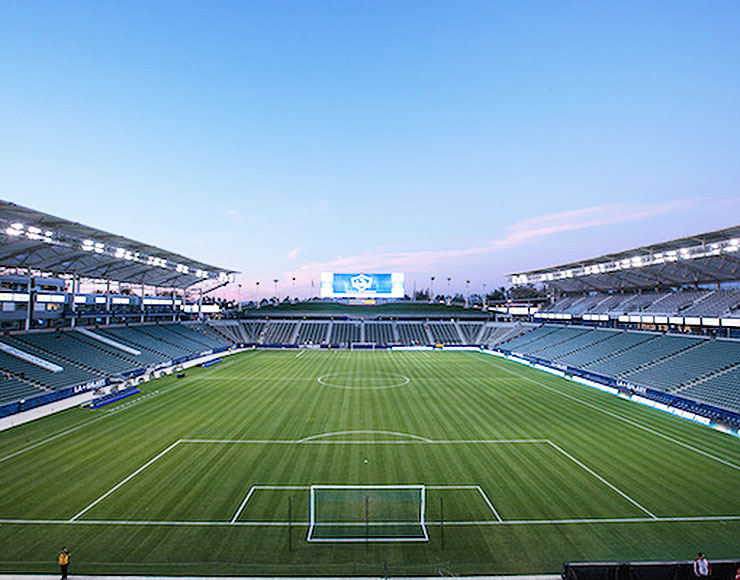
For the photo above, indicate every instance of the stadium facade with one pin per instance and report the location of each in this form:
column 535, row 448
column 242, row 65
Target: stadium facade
column 657, row 323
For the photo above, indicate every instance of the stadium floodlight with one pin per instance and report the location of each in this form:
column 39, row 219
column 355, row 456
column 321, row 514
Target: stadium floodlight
column 367, row 513
column 11, row 231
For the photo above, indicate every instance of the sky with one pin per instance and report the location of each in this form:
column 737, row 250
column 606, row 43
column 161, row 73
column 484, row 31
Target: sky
column 466, row 140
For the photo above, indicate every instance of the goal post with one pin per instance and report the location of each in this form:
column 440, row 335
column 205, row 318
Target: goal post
column 367, row 513
column 362, row 346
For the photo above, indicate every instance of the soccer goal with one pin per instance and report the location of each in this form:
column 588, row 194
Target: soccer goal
column 362, row 346
column 367, row 513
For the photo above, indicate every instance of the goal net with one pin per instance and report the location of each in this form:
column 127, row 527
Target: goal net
column 362, row 346
column 367, row 513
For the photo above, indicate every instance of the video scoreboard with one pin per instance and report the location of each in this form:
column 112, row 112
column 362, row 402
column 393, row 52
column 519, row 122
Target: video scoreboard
column 362, row 285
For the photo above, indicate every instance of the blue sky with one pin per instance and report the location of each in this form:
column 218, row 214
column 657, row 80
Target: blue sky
column 466, row 140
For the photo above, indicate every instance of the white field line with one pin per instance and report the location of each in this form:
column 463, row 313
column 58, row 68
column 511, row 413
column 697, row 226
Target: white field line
column 48, row 439
column 490, row 504
column 265, row 487
column 237, row 441
column 123, row 481
column 602, row 480
column 620, row 417
column 105, row 415
column 372, row 432
column 311, row 440
column 435, row 487
column 633, row 520
column 242, row 505
column 300, row 353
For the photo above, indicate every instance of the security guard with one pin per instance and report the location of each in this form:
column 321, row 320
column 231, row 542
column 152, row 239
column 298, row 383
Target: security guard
column 63, row 560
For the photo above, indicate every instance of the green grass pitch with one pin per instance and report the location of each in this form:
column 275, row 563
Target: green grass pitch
column 211, row 474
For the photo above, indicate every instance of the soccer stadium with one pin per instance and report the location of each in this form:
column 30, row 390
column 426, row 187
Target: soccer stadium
column 320, row 290
column 159, row 434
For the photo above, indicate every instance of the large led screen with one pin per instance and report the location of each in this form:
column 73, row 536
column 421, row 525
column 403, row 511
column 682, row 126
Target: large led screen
column 361, row 285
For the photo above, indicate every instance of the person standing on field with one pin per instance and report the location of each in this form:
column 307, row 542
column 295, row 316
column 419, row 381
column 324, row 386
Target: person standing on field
column 702, row 570
column 63, row 560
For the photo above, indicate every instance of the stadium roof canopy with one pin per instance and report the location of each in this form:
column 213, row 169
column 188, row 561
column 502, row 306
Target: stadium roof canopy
column 709, row 258
column 38, row 241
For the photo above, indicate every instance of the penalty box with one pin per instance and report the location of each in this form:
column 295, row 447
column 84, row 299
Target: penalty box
column 251, row 481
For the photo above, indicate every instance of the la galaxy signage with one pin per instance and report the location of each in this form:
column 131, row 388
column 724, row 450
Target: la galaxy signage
column 362, row 285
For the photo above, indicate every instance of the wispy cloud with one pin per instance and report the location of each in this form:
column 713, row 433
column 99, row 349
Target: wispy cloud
column 293, row 254
column 520, row 233
column 234, row 216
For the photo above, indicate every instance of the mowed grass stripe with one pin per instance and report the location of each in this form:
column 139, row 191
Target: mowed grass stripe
column 450, row 396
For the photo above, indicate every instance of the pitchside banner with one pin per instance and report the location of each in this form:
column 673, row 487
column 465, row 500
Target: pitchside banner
column 361, row 285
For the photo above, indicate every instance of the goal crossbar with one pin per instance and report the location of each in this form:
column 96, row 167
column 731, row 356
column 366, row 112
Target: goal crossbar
column 362, row 345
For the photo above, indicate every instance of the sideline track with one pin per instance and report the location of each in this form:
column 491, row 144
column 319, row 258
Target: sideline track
column 140, row 577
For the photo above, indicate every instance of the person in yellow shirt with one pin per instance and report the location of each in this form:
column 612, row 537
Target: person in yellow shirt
column 63, row 560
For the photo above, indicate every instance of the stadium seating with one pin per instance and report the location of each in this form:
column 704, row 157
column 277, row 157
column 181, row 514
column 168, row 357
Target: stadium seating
column 709, row 303
column 533, row 337
column 279, row 332
column 445, row 333
column 673, row 303
column 642, row 353
column 613, row 343
column 146, row 346
column 13, row 389
column 252, row 330
column 312, row 333
column 565, row 340
column 471, row 331
column 718, row 303
column 380, row 333
column 68, row 347
column 498, row 333
column 704, row 358
column 203, row 334
column 230, row 330
column 721, row 389
column 345, row 333
column 412, row 333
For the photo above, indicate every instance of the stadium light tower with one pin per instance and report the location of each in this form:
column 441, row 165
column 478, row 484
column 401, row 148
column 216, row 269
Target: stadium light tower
column 258, row 294
column 467, row 293
column 277, row 296
column 293, row 290
column 449, row 298
column 431, row 289
column 484, row 296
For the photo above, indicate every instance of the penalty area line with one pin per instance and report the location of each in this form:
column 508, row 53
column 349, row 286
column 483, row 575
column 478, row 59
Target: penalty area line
column 122, row 482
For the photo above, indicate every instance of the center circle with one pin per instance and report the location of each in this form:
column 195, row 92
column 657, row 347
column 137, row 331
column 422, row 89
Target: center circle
column 366, row 381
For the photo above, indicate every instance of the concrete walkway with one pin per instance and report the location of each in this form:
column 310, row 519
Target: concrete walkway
column 76, row 577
